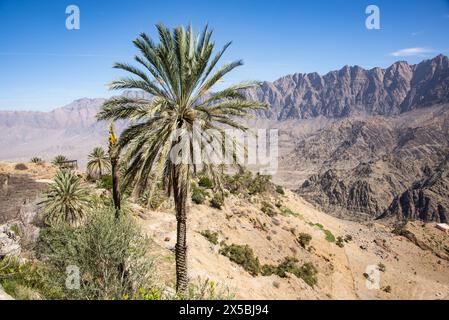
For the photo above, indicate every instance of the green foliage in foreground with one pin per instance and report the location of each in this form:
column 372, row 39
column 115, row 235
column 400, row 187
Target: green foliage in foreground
column 111, row 255
column 28, row 281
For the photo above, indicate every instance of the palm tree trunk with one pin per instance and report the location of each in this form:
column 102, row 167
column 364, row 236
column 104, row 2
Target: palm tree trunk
column 180, row 192
column 115, row 189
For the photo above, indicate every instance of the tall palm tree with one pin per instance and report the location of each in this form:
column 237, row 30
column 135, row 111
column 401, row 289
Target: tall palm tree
column 98, row 161
column 66, row 200
column 179, row 74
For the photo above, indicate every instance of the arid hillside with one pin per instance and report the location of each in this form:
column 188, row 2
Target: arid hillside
column 327, row 258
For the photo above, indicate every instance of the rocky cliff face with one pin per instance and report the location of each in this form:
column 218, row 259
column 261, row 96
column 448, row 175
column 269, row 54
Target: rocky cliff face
column 363, row 165
column 426, row 200
column 354, row 90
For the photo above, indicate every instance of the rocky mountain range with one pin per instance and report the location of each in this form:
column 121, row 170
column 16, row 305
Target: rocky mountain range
column 359, row 143
column 354, row 90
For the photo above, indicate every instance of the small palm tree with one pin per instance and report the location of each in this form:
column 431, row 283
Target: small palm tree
column 37, row 160
column 59, row 159
column 180, row 72
column 98, row 162
column 66, row 200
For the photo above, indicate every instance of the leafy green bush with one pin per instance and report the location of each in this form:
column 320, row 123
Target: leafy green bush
column 239, row 182
column 211, row 236
column 217, row 201
column 329, row 236
column 198, row 195
column 307, row 271
column 259, row 184
column 110, row 253
column 105, row 182
column 382, row 267
column 205, row 182
column 280, row 190
column 242, row 255
column 304, row 239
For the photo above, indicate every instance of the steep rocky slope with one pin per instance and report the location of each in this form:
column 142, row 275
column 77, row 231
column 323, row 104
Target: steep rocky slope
column 363, row 164
column 426, row 200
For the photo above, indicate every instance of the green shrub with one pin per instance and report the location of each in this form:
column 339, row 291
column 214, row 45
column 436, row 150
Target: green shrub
column 268, row 209
column 382, row 267
column 242, row 255
column 288, row 212
column 105, row 182
column 110, row 253
column 304, row 239
column 280, row 190
column 239, row 182
column 211, row 236
column 205, row 182
column 259, row 184
column 217, row 201
column 329, row 236
column 206, row 290
column 348, row 238
column 27, row 281
column 307, row 271
column 198, row 195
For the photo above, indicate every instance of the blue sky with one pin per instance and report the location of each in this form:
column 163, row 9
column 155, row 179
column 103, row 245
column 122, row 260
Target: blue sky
column 43, row 65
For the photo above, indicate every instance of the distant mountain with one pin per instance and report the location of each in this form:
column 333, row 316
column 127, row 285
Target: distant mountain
column 354, row 90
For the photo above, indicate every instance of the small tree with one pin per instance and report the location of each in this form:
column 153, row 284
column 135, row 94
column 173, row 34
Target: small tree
column 59, row 159
column 98, row 162
column 66, row 200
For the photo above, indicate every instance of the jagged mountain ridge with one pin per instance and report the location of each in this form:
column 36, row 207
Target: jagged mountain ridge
column 354, row 90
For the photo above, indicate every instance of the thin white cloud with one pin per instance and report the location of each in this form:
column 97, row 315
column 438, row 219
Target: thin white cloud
column 409, row 52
